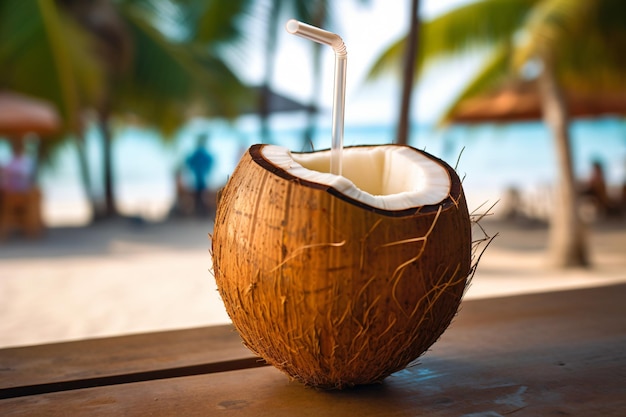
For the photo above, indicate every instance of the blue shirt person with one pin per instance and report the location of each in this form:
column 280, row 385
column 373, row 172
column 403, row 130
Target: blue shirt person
column 200, row 163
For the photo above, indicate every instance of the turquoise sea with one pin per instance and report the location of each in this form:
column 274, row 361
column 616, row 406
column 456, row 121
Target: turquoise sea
column 490, row 158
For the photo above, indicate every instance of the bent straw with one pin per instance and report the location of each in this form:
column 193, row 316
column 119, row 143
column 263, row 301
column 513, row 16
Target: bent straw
column 339, row 101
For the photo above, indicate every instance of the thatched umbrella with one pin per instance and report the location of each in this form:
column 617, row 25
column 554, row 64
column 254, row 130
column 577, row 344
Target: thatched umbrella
column 21, row 114
column 276, row 102
column 519, row 102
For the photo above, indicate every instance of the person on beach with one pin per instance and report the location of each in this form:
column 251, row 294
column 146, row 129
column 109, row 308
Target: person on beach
column 20, row 199
column 18, row 174
column 200, row 163
column 596, row 189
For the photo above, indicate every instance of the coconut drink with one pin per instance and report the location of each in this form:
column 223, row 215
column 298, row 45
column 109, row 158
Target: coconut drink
column 334, row 284
column 341, row 280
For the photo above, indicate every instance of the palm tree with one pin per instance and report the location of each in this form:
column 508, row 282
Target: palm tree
column 112, row 57
column 298, row 9
column 150, row 75
column 410, row 55
column 578, row 46
column 45, row 53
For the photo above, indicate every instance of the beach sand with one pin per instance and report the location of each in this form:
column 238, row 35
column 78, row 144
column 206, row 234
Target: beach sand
column 122, row 277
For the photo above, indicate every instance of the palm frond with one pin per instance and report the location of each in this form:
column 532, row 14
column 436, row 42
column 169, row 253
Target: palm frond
column 388, row 62
column 551, row 24
column 161, row 79
column 168, row 78
column 592, row 63
column 222, row 93
column 476, row 25
column 217, row 21
column 493, row 73
column 47, row 55
column 583, row 40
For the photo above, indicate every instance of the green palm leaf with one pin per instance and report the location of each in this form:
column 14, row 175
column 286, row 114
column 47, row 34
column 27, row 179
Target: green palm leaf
column 550, row 26
column 216, row 22
column 585, row 39
column 494, row 72
column 167, row 78
column 466, row 28
column 45, row 54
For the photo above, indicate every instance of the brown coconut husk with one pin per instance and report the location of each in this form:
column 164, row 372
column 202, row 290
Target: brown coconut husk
column 333, row 292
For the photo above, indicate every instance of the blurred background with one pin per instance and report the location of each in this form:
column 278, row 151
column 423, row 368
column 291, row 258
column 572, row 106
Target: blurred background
column 140, row 109
column 133, row 84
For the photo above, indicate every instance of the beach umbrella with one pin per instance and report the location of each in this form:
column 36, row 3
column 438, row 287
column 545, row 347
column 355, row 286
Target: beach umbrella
column 249, row 103
column 520, row 102
column 21, row 114
column 277, row 103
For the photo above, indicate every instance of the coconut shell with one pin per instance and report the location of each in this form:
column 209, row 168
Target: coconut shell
column 333, row 292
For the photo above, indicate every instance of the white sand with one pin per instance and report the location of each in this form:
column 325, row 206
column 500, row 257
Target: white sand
column 120, row 278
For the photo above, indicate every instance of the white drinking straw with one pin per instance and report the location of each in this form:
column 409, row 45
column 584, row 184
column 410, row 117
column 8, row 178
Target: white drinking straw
column 339, row 101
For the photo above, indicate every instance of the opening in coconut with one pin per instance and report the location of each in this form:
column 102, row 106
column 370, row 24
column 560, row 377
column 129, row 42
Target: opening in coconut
column 387, row 177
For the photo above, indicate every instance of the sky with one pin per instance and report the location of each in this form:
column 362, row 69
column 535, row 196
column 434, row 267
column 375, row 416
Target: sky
column 367, row 30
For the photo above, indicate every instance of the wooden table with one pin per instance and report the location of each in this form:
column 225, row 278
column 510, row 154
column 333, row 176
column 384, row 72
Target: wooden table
column 551, row 354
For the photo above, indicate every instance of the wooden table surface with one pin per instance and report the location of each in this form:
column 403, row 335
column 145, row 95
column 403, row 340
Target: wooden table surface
column 550, row 354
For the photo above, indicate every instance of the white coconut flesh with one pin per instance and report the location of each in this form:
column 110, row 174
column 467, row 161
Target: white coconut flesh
column 385, row 177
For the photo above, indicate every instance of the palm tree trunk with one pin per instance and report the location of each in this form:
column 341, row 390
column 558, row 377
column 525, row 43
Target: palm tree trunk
column 85, row 174
column 567, row 240
column 110, row 209
column 270, row 59
column 404, row 122
column 311, row 112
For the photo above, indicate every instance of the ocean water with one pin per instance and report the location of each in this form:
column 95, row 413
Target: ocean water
column 489, row 158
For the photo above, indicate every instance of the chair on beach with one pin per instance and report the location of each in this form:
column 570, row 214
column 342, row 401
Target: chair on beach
column 20, row 211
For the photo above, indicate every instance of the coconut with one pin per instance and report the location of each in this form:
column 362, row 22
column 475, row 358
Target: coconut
column 341, row 280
